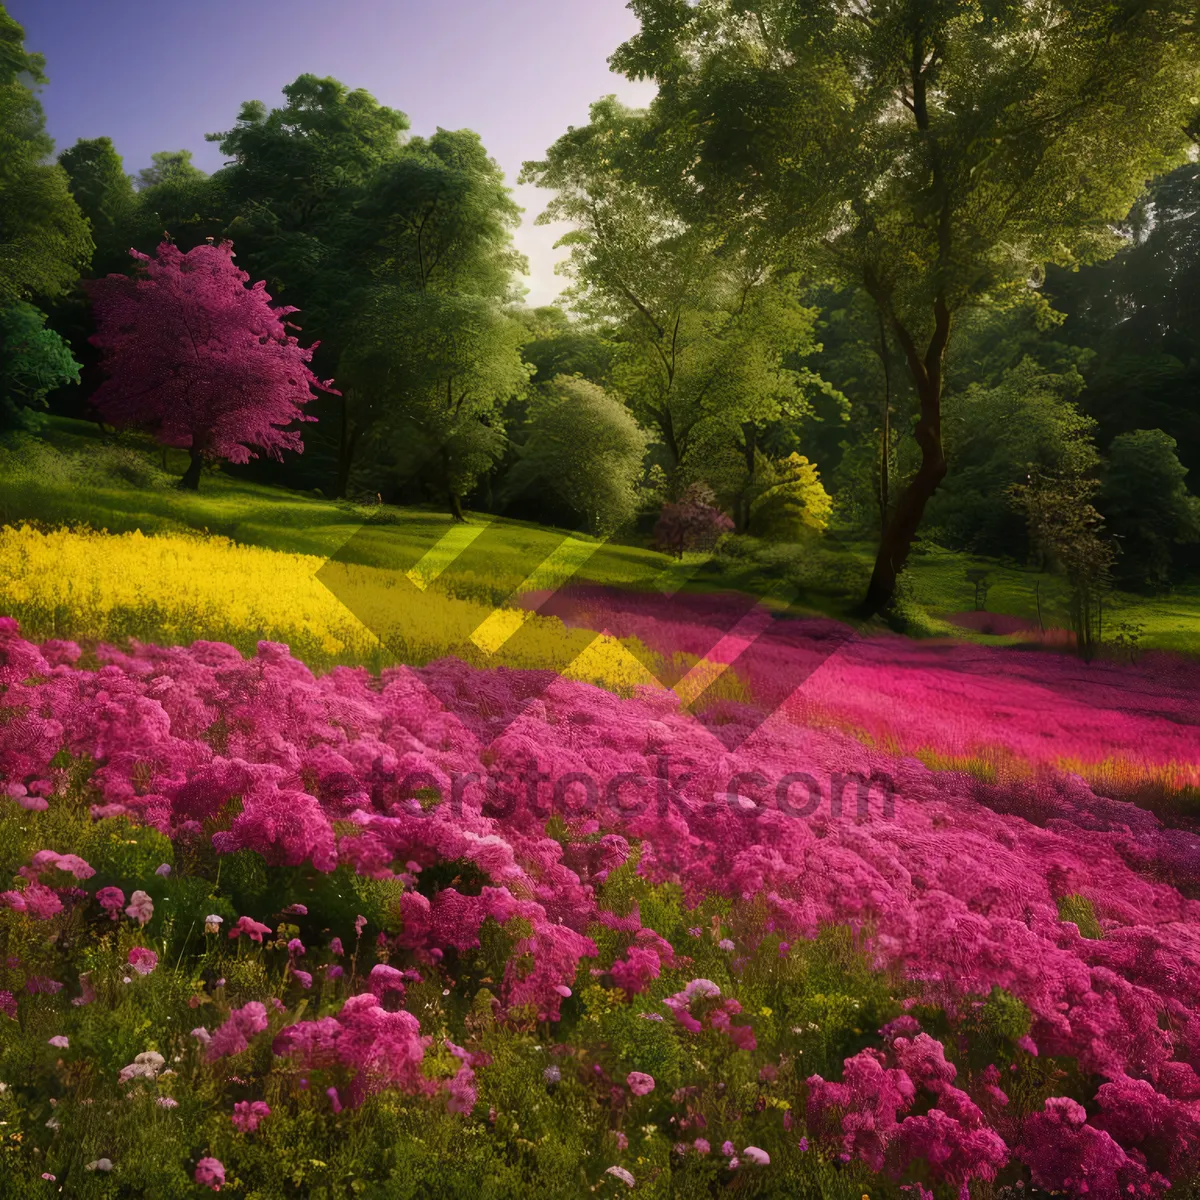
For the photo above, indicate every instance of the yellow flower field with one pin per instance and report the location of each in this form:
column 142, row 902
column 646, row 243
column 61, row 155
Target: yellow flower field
column 175, row 589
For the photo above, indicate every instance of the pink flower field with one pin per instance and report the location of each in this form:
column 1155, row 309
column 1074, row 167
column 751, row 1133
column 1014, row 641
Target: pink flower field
column 1038, row 947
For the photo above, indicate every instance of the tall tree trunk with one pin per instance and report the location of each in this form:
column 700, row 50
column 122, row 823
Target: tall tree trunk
column 347, row 444
column 191, row 477
column 901, row 528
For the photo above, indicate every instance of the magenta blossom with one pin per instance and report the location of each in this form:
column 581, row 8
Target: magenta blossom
column 210, row 1173
column 248, row 1113
column 142, row 960
column 112, row 900
column 640, row 1084
column 140, row 908
column 254, row 929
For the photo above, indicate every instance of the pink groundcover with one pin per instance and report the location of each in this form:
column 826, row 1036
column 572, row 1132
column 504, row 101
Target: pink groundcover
column 955, row 887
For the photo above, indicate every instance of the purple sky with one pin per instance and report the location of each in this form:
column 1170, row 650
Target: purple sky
column 157, row 75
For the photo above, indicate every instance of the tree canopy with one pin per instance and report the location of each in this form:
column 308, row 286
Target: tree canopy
column 200, row 359
column 936, row 154
column 44, row 241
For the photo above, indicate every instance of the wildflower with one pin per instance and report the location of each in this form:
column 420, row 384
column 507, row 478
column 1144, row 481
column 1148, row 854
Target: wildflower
column 240, row 1026
column 99, row 1164
column 296, row 910
column 39, row 901
column 252, row 928
column 140, row 908
column 60, row 1042
column 702, row 1146
column 201, row 1035
column 71, row 863
column 210, row 1172
column 802, row 1145
column 334, row 1099
column 167, row 1102
column 760, row 1158
column 142, row 960
column 359, row 923
column 621, row 1174
column 163, row 870
column 639, row 1083
column 552, row 1074
column 213, row 923
column 248, row 1113
column 303, row 978
column 335, row 947
column 725, row 944
column 727, row 1148
column 295, row 947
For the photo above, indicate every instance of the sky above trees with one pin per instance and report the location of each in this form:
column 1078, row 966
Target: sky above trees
column 159, row 77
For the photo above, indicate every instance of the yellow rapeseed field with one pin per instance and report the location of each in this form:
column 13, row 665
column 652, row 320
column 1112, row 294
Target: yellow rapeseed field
column 175, row 589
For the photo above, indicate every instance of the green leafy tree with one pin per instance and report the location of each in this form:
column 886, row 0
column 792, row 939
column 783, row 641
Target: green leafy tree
column 169, row 166
column 561, row 345
column 584, row 445
column 707, row 330
column 995, row 436
column 436, row 353
column 33, row 361
column 44, row 240
column 1068, row 533
column 935, row 154
column 1139, row 313
column 792, row 504
column 290, row 194
column 437, row 371
column 103, row 192
column 1147, row 505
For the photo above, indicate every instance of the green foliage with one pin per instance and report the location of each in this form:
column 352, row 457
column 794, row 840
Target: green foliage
column 1146, row 503
column 1068, row 532
column 442, row 367
column 433, row 356
column 792, row 503
column 106, row 197
column 583, row 444
column 33, row 361
column 708, row 337
column 935, row 156
column 44, row 238
column 168, row 166
column 1080, row 912
column 1027, row 422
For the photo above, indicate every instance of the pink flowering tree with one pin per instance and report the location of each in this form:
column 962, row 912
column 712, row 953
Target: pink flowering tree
column 200, row 359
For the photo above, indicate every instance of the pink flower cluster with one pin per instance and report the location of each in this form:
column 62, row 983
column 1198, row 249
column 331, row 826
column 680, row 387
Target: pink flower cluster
column 950, row 890
column 703, row 996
